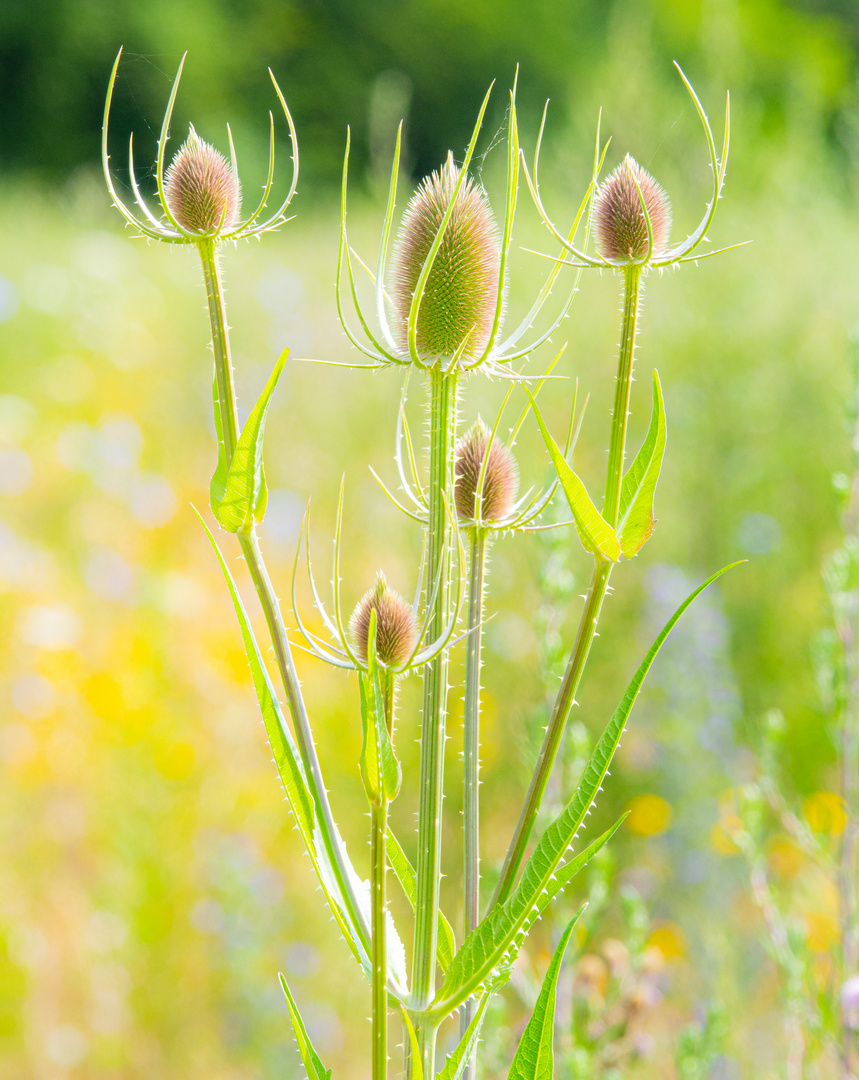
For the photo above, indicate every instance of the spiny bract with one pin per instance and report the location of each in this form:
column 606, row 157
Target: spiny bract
column 203, row 192
column 619, row 223
column 396, row 628
column 461, row 293
column 499, row 482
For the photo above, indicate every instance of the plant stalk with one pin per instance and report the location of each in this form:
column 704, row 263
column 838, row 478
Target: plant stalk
column 253, row 557
column 593, row 601
column 443, row 387
column 378, row 867
column 471, row 758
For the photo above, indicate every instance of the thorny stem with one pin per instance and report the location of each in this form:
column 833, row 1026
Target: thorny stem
column 378, row 857
column 471, row 758
column 593, row 601
column 443, row 388
column 267, row 597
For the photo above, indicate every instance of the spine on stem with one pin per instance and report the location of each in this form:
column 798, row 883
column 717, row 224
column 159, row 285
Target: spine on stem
column 594, row 599
column 443, row 391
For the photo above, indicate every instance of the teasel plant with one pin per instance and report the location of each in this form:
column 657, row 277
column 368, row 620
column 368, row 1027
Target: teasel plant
column 440, row 288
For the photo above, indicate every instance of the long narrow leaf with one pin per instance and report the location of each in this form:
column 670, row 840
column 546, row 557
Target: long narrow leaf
column 639, row 484
column 535, row 1055
column 245, row 497
column 288, row 763
column 312, row 1065
column 454, row 1067
column 405, row 874
column 495, row 940
column 594, row 531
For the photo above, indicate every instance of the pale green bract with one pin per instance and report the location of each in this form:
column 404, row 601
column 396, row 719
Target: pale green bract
column 639, row 484
column 595, row 533
column 245, row 495
column 380, row 769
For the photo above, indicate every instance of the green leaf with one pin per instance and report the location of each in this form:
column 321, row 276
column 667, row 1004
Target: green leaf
column 454, row 1067
column 288, row 762
column 594, row 531
column 380, row 769
column 535, row 1057
column 312, row 1065
column 405, row 874
column 218, row 485
column 495, row 941
column 417, row 1058
column 245, row 497
column 490, row 949
column 639, row 484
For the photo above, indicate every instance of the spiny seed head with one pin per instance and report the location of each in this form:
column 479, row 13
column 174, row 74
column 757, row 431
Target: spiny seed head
column 499, row 483
column 461, row 291
column 396, row 627
column 203, row 192
column 619, row 222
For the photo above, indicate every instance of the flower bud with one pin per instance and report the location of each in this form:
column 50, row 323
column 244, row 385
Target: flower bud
column 619, row 222
column 461, row 291
column 396, row 628
column 203, row 192
column 500, row 480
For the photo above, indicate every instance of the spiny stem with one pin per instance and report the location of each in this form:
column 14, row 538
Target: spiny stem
column 442, row 432
column 593, row 601
column 378, row 857
column 620, row 415
column 471, row 757
column 267, row 597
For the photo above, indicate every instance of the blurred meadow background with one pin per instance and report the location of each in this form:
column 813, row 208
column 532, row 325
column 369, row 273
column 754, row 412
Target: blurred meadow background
column 151, row 886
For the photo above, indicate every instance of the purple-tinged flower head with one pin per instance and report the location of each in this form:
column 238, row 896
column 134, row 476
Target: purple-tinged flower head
column 500, row 479
column 202, row 190
column 459, row 300
column 619, row 221
column 396, row 627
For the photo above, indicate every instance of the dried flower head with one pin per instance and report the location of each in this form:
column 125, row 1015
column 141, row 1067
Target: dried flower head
column 500, row 479
column 619, row 221
column 203, row 192
column 396, row 627
column 459, row 301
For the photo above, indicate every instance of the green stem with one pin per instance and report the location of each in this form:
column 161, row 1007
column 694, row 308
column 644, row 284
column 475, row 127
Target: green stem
column 268, row 598
column 593, row 601
column 471, row 756
column 378, row 866
column 620, row 414
column 442, row 434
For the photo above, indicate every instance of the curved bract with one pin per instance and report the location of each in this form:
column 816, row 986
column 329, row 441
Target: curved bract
column 170, row 227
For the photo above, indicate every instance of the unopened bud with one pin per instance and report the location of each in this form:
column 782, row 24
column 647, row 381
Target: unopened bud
column 396, row 627
column 461, row 293
column 203, row 192
column 500, row 479
column 619, row 222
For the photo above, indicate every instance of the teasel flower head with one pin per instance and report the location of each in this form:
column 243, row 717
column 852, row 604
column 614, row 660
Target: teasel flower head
column 396, row 626
column 620, row 219
column 486, row 483
column 441, row 289
column 631, row 214
column 199, row 195
column 202, row 191
column 459, row 300
column 401, row 628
